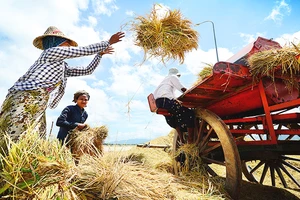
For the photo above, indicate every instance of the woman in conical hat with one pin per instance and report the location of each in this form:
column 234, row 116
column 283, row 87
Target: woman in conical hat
column 44, row 83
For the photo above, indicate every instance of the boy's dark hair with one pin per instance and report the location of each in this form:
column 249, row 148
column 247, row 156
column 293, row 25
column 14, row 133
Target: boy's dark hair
column 80, row 93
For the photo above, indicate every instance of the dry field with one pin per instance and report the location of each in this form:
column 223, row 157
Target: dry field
column 207, row 188
column 39, row 169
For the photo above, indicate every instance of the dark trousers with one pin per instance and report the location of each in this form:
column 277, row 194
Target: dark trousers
column 181, row 116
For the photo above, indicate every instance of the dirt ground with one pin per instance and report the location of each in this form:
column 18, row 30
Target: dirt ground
column 248, row 190
column 253, row 191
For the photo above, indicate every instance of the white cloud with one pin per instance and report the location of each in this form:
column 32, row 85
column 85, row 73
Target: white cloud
column 283, row 40
column 161, row 10
column 92, row 21
column 123, row 50
column 129, row 13
column 106, row 7
column 151, row 126
column 82, row 4
column 85, row 35
column 197, row 60
column 248, row 38
column 278, row 12
column 99, row 83
column 286, row 39
column 126, row 81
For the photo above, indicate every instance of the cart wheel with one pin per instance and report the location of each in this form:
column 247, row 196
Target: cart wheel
column 216, row 147
column 285, row 168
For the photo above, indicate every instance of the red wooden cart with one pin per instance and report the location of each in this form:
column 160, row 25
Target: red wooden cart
column 247, row 127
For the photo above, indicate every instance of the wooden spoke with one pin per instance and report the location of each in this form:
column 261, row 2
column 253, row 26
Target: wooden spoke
column 288, row 173
column 200, row 132
column 272, row 175
column 208, row 160
column 274, row 163
column 257, row 166
column 210, row 171
column 281, row 176
column 247, row 168
column 290, row 166
column 205, row 139
column 216, row 146
column 289, row 158
column 275, row 166
column 263, row 175
column 207, row 151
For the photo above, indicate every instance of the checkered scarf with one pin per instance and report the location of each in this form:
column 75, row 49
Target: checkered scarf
column 52, row 41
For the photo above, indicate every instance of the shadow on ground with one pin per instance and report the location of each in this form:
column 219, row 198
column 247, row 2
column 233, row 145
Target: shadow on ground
column 253, row 191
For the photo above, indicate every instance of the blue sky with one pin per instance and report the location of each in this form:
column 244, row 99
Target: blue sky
column 119, row 86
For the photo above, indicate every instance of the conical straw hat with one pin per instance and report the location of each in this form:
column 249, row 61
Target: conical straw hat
column 51, row 31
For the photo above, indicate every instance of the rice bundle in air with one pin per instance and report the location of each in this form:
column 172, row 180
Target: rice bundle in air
column 167, row 37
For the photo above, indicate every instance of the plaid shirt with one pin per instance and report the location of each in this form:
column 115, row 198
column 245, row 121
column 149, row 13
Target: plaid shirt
column 51, row 72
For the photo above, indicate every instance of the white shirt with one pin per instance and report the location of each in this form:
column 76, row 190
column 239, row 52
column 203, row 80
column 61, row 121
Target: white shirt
column 167, row 87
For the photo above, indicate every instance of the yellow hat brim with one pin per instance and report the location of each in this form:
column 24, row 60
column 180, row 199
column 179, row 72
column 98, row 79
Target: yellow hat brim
column 38, row 41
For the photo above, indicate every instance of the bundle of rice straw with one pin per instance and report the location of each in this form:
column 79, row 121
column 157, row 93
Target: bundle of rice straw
column 271, row 62
column 33, row 164
column 88, row 140
column 206, row 71
column 35, row 168
column 192, row 160
column 167, row 37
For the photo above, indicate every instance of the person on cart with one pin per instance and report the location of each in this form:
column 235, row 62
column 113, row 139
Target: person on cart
column 182, row 118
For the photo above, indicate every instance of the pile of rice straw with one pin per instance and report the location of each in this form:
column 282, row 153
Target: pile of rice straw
column 271, row 62
column 88, row 140
column 35, row 168
column 206, row 71
column 192, row 161
column 167, row 37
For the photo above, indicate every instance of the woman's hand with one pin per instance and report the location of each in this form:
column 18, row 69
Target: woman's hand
column 116, row 37
column 108, row 50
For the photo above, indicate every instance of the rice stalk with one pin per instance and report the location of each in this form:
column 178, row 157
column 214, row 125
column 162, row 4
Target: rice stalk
column 204, row 73
column 35, row 168
column 99, row 177
column 276, row 63
column 88, row 140
column 32, row 163
column 141, row 182
column 192, row 159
